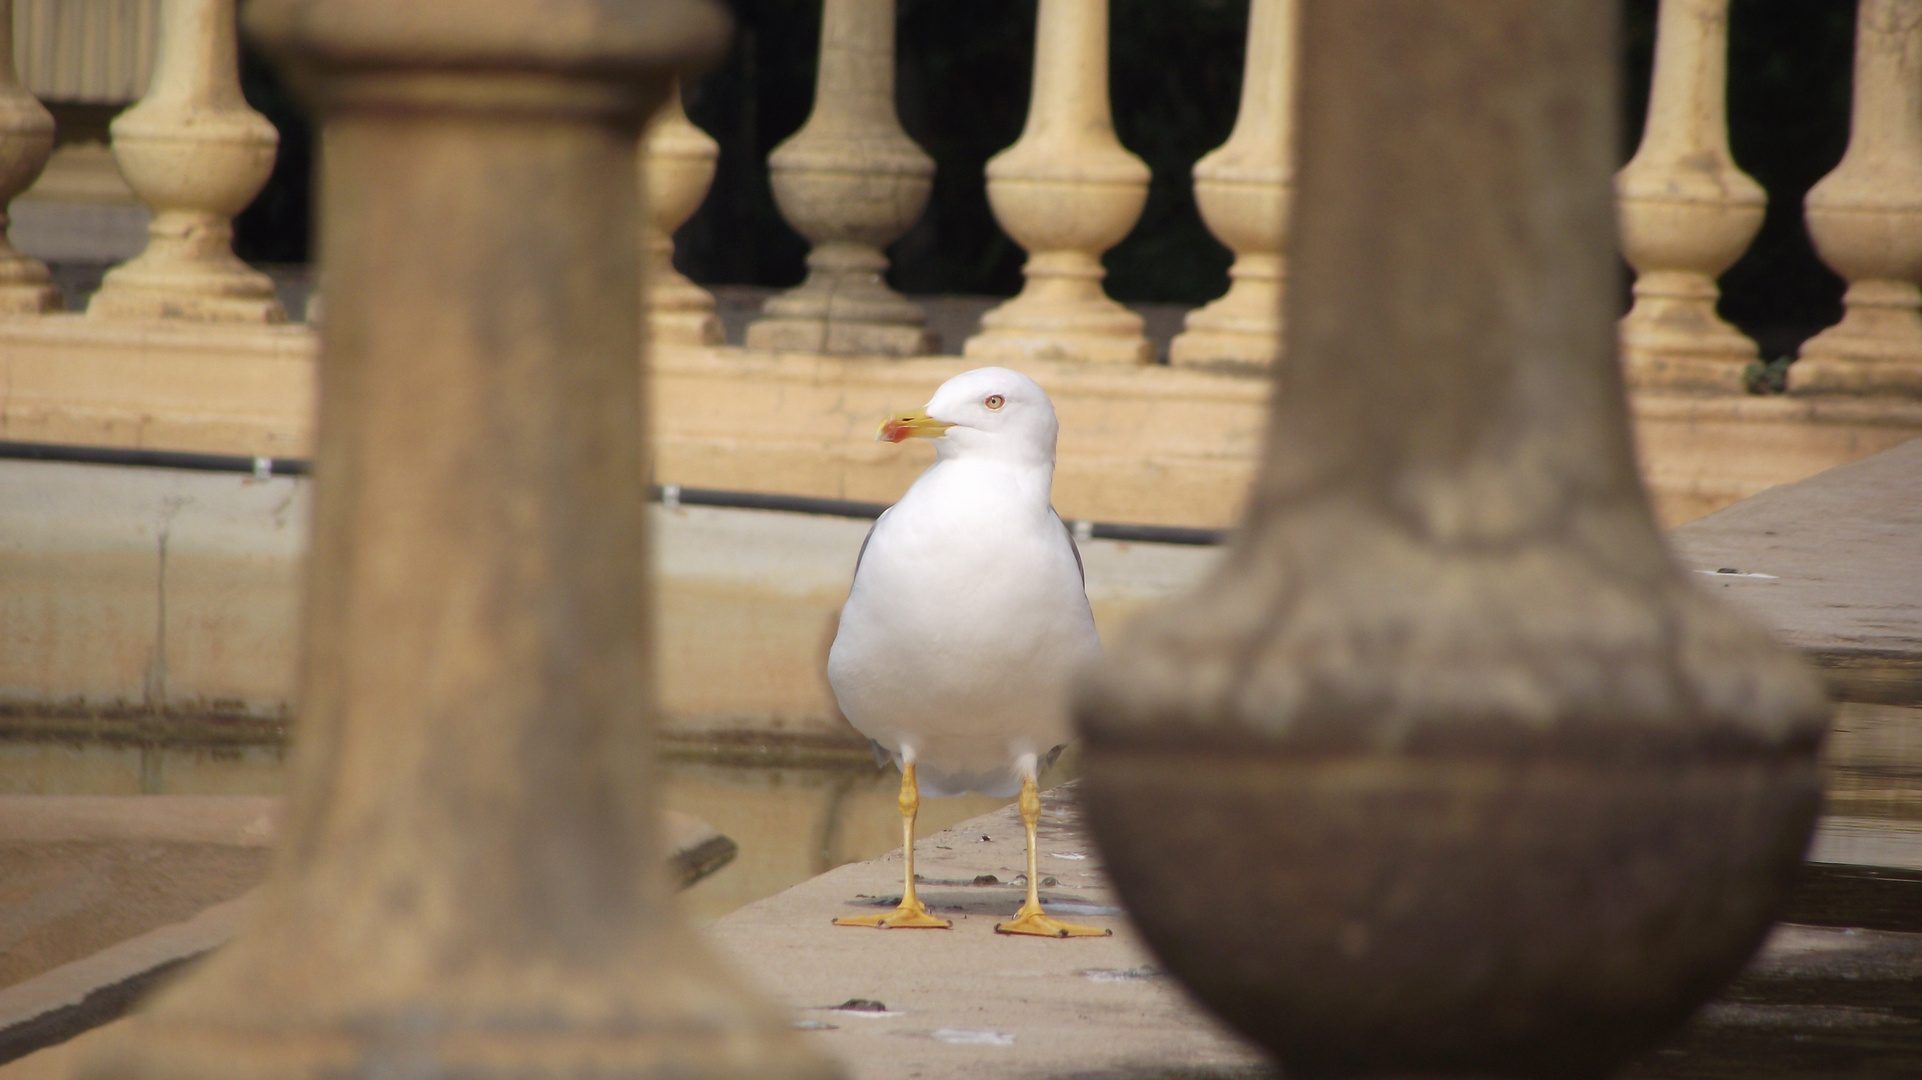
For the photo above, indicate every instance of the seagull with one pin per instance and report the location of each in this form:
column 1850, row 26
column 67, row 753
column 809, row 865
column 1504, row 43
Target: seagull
column 967, row 618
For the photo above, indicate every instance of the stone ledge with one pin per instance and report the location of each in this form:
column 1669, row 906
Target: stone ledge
column 1150, row 444
column 219, row 389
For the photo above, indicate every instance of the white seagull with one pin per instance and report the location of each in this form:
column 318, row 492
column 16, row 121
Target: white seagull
column 967, row 618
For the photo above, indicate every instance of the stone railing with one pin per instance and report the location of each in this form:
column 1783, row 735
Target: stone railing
column 185, row 347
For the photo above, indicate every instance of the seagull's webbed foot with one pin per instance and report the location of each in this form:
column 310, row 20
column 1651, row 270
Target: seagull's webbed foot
column 911, row 915
column 1032, row 920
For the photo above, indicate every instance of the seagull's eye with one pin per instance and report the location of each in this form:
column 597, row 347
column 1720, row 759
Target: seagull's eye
column 994, row 401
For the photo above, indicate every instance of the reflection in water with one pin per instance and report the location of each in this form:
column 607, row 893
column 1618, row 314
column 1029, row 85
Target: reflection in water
column 793, row 823
column 800, row 817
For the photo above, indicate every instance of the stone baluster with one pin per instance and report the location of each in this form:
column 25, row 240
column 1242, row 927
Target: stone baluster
column 1866, row 217
column 1686, row 211
column 26, row 141
column 1066, row 191
column 467, row 882
column 1242, row 188
column 1449, row 770
column 677, row 165
column 852, row 182
column 196, row 154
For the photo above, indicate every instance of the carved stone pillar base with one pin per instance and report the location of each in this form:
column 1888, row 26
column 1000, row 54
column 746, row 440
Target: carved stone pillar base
column 189, row 271
column 844, row 308
column 677, row 167
column 1062, row 314
column 1866, row 218
column 26, row 141
column 197, row 155
column 1875, row 349
column 1243, row 327
column 24, row 288
column 1685, row 212
column 1673, row 340
column 1066, row 191
column 679, row 312
column 1243, row 189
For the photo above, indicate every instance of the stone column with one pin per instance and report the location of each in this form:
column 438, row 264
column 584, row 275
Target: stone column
column 1066, row 191
column 677, row 165
column 26, row 141
column 1866, row 217
column 1449, row 770
column 1686, row 211
column 1242, row 188
column 852, row 182
column 196, row 154
column 468, row 882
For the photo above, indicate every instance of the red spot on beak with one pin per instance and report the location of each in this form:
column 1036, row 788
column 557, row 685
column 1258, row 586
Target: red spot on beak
column 894, row 431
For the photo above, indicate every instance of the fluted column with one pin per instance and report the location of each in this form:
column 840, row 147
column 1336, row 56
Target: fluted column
column 1866, row 218
column 1686, row 211
column 1449, row 770
column 852, row 182
column 196, row 154
column 677, row 165
column 467, row 883
column 26, row 141
column 1242, row 188
column 1066, row 191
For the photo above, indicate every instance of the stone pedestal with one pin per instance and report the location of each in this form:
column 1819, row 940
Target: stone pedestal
column 469, row 881
column 1242, row 188
column 1449, row 770
column 1686, row 211
column 1066, row 191
column 1866, row 218
column 26, row 141
column 196, row 154
column 852, row 182
column 677, row 165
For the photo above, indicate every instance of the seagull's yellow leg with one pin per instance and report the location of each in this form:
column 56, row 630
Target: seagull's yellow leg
column 911, row 914
column 1030, row 919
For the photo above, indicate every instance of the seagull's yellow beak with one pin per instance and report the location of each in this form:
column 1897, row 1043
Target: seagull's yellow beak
column 903, row 426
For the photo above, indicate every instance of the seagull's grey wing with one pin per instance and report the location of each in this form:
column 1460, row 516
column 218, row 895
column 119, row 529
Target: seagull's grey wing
column 870, row 536
column 1072, row 546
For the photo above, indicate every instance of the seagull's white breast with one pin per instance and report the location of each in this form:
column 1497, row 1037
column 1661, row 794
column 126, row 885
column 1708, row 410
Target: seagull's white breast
column 967, row 618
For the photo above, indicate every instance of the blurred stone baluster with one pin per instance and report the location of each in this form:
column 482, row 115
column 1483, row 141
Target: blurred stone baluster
column 1242, row 188
column 1449, row 770
column 1066, row 191
column 26, row 141
column 677, row 166
column 467, row 883
column 852, row 182
column 1686, row 211
column 1866, row 218
column 196, row 154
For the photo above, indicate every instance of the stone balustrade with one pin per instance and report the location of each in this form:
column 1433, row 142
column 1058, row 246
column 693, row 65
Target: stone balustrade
column 185, row 346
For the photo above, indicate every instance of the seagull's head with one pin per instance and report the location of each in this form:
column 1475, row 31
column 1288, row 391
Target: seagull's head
column 987, row 412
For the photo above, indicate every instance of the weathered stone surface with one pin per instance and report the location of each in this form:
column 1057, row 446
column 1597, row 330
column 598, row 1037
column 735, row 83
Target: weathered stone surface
column 1448, row 769
column 1834, row 565
column 967, row 1003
